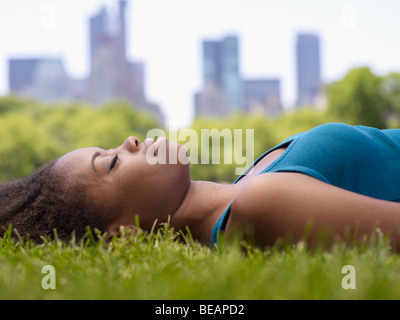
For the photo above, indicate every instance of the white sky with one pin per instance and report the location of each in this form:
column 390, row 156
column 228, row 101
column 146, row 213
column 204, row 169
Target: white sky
column 167, row 35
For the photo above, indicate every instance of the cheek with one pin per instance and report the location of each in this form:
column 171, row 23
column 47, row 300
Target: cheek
column 176, row 177
column 165, row 182
column 136, row 184
column 169, row 153
column 104, row 201
column 177, row 154
column 142, row 182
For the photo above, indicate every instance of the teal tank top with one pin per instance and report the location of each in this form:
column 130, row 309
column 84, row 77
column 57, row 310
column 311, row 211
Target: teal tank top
column 361, row 159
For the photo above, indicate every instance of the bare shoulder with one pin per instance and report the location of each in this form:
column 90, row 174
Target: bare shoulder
column 277, row 204
column 256, row 192
column 290, row 191
column 262, row 185
column 256, row 198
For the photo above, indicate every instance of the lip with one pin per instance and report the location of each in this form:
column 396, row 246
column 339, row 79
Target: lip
column 159, row 139
column 150, row 143
column 157, row 144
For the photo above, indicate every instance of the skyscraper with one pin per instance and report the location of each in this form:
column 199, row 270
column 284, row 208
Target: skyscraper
column 230, row 77
column 42, row 78
column 98, row 30
column 211, row 102
column 112, row 75
column 108, row 73
column 224, row 91
column 308, row 69
column 21, row 73
column 262, row 96
column 122, row 28
column 221, row 77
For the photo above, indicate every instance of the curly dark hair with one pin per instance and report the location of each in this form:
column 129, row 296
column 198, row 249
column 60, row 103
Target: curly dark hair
column 37, row 205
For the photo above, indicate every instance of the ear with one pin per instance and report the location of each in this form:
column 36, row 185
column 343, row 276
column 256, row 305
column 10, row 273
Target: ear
column 118, row 231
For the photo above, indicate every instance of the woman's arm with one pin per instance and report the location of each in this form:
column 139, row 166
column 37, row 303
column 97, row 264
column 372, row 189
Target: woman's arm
column 282, row 204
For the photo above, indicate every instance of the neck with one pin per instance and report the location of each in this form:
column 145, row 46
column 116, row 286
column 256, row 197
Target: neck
column 202, row 206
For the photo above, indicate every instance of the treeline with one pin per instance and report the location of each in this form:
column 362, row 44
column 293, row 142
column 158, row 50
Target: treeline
column 32, row 134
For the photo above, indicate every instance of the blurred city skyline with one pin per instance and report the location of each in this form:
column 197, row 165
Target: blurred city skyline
column 167, row 35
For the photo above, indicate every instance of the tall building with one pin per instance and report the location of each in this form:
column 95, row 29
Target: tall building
column 122, row 28
column 51, row 82
column 262, row 96
column 42, row 78
column 112, row 76
column 308, row 69
column 221, row 77
column 230, row 77
column 21, row 73
column 224, row 91
column 98, row 30
column 211, row 102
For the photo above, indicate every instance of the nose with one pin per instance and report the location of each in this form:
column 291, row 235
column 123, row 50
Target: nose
column 131, row 144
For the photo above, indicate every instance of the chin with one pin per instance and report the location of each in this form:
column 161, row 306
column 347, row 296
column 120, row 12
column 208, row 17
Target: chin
column 178, row 161
column 182, row 154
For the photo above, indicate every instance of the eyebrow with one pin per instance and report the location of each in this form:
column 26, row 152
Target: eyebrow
column 95, row 155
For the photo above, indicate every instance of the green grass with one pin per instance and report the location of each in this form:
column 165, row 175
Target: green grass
column 157, row 266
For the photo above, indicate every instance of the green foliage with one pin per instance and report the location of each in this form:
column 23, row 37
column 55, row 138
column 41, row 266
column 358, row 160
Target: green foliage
column 358, row 99
column 155, row 265
column 33, row 134
column 24, row 146
column 390, row 88
column 267, row 133
column 13, row 104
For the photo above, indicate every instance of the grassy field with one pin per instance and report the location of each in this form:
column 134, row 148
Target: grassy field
column 157, row 266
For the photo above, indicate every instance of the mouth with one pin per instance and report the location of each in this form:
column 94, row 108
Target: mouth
column 160, row 142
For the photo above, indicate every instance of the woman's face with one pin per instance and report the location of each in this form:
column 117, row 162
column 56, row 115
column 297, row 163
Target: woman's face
column 148, row 179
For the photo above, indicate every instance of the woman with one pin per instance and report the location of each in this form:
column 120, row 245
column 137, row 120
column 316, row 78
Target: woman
column 341, row 179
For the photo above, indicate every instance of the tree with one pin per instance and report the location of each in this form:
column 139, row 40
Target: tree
column 32, row 134
column 24, row 146
column 358, row 99
column 390, row 87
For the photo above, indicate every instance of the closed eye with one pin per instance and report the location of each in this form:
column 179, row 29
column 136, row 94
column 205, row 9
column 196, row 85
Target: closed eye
column 113, row 162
